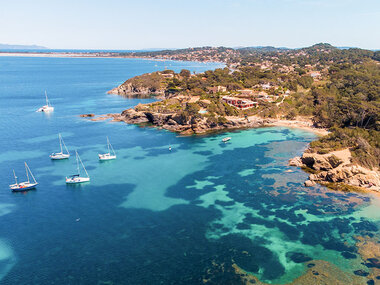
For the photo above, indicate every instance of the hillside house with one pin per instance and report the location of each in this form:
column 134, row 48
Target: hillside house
column 167, row 75
column 315, row 74
column 266, row 86
column 239, row 103
column 216, row 89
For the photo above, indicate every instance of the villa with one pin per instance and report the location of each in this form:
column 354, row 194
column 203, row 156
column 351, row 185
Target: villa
column 239, row 103
column 217, row 89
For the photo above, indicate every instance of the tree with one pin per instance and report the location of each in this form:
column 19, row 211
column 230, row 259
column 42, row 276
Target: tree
column 185, row 73
column 305, row 81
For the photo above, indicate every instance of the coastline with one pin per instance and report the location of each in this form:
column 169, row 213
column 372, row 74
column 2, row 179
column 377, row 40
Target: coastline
column 334, row 169
column 93, row 55
column 239, row 200
column 137, row 118
column 306, row 125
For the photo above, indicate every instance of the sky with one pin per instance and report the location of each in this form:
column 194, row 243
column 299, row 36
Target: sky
column 143, row 24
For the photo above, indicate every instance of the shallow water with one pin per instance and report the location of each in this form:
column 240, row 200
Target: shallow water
column 155, row 216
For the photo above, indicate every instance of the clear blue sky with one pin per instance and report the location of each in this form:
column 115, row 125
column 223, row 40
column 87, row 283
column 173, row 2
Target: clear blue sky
column 117, row 24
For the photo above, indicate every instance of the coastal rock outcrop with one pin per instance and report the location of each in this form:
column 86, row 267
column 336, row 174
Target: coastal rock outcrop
column 133, row 117
column 186, row 125
column 146, row 84
column 295, row 161
column 87, row 115
column 336, row 167
column 310, row 183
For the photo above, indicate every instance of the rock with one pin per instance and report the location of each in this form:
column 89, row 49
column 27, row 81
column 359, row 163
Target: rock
column 309, row 183
column 296, row 161
column 361, row 273
column 313, row 177
column 316, row 161
column 87, row 115
column 146, row 84
column 187, row 132
column 348, row 255
column 331, row 168
column 171, row 122
column 374, row 262
column 134, row 117
column 334, row 161
column 298, row 257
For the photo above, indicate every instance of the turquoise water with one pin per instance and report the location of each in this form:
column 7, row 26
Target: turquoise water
column 155, row 216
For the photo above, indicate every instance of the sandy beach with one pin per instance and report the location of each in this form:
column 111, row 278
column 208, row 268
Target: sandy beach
column 300, row 124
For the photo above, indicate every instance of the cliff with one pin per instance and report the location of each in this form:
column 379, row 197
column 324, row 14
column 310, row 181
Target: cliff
column 337, row 167
column 146, row 84
column 187, row 125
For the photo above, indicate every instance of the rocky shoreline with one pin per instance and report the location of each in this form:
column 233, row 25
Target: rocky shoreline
column 187, row 126
column 195, row 126
column 336, row 167
column 331, row 169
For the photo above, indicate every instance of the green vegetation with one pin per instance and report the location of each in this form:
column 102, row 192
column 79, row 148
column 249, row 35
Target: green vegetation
column 346, row 99
column 364, row 144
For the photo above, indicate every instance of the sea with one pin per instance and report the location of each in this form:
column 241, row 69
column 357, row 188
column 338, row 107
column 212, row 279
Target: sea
column 204, row 212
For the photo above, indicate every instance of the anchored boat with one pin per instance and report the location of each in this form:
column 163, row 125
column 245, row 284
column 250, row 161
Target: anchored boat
column 60, row 155
column 24, row 186
column 48, row 107
column 76, row 178
column 226, row 139
column 108, row 155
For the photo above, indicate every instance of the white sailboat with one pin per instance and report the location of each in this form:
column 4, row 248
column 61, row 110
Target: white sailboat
column 108, row 155
column 61, row 154
column 76, row 178
column 24, row 186
column 48, row 107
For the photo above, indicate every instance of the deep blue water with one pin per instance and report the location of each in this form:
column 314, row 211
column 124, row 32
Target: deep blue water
column 154, row 216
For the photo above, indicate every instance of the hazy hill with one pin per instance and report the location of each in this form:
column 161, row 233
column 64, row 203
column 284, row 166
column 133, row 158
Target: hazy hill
column 7, row 46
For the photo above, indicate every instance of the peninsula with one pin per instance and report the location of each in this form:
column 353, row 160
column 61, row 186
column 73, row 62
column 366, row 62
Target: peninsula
column 319, row 87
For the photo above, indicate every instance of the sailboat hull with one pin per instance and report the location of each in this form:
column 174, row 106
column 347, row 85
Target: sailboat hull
column 106, row 156
column 77, row 180
column 46, row 109
column 23, row 186
column 59, row 156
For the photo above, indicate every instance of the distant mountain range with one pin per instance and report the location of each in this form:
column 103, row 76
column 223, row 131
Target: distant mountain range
column 6, row 46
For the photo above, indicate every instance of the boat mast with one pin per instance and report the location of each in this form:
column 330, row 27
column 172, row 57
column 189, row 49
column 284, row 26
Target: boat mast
column 84, row 168
column 31, row 174
column 60, row 142
column 63, row 142
column 47, row 101
column 14, row 173
column 77, row 155
column 26, row 170
column 108, row 145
